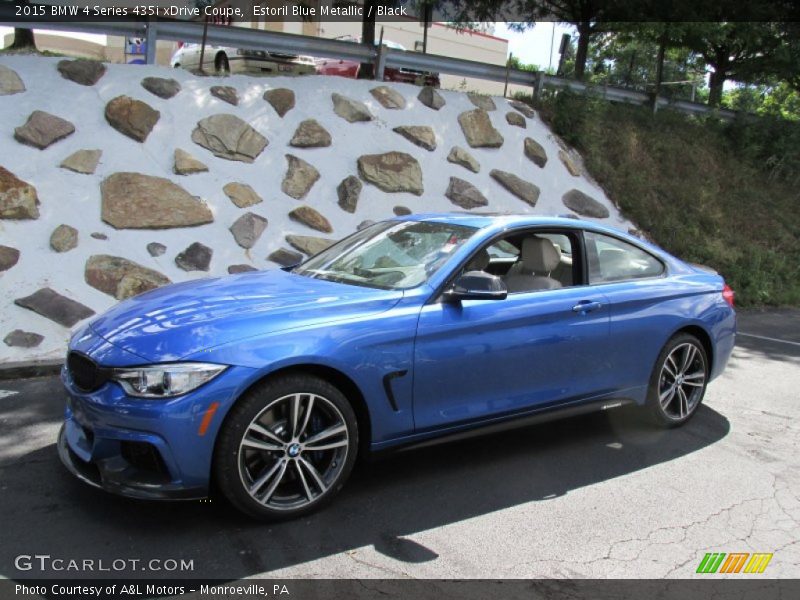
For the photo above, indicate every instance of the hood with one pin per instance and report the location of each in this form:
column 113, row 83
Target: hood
column 177, row 320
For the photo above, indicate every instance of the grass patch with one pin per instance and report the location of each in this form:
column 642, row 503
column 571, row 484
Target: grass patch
column 28, row 52
column 721, row 194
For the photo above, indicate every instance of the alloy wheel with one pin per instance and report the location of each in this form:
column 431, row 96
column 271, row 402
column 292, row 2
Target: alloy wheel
column 682, row 381
column 293, row 451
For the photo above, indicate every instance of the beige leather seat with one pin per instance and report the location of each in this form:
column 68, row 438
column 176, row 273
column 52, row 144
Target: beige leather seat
column 538, row 258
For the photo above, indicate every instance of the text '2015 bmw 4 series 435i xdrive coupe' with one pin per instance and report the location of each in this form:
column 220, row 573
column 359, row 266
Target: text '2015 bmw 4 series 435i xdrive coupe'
column 270, row 384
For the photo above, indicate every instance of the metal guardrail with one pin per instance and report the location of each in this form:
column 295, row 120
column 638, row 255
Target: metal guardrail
column 255, row 39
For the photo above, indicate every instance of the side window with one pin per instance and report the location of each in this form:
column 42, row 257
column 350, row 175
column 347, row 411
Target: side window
column 611, row 259
column 544, row 262
column 503, row 249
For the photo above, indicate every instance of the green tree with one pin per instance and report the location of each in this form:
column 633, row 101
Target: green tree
column 741, row 51
column 643, row 56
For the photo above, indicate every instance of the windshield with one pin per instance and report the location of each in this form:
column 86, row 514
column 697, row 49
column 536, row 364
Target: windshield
column 391, row 255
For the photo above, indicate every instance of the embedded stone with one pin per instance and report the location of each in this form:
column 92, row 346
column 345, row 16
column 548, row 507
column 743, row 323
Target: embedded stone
column 392, row 172
column 120, row 277
column 196, row 257
column 8, row 257
column 247, row 229
column 364, row 224
column 82, row 161
column 311, row 218
column 420, row 135
column 234, row 269
column 478, row 129
column 535, row 152
column 388, row 97
column 10, row 82
column 64, row 238
column 23, row 339
column 573, row 169
column 228, row 137
column 285, row 257
column 464, row 194
column 98, row 236
column 156, row 249
column 43, row 129
column 299, row 179
column 431, row 98
column 309, row 244
column 524, row 190
column 52, row 305
column 241, row 194
column 401, row 211
column 186, row 164
column 351, row 111
column 523, row 108
column 584, row 205
column 18, row 199
column 459, row 156
column 130, row 117
column 225, row 93
column 310, row 134
column 281, row 99
column 136, row 201
column 82, row 71
column 481, row 101
column 516, row 119
column 349, row 191
column 163, row 88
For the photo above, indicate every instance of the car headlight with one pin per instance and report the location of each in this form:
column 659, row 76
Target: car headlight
column 167, row 380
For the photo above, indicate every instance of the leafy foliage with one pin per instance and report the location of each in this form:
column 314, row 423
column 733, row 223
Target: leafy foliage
column 721, row 194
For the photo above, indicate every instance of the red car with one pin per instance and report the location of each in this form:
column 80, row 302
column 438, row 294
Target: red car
column 350, row 68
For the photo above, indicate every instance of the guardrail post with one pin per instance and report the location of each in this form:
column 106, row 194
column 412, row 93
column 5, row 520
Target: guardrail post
column 538, row 83
column 380, row 63
column 151, row 40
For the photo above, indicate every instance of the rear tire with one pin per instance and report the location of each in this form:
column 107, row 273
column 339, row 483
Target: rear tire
column 286, row 448
column 678, row 382
column 222, row 65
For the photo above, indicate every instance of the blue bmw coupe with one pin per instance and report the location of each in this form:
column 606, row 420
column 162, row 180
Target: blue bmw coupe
column 267, row 386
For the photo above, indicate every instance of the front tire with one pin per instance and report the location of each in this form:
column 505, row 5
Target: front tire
column 286, row 448
column 678, row 382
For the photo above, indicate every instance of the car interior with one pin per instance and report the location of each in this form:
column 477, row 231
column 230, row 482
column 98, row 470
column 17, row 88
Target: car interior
column 529, row 262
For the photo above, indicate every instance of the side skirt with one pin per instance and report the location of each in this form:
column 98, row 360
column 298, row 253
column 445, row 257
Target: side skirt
column 495, row 425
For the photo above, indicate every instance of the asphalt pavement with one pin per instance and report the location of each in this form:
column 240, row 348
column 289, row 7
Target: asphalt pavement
column 602, row 495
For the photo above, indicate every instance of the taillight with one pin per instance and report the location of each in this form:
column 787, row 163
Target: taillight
column 728, row 295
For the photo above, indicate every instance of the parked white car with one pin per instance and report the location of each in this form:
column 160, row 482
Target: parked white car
column 224, row 59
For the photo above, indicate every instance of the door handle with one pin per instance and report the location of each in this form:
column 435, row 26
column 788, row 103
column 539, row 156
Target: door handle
column 586, row 306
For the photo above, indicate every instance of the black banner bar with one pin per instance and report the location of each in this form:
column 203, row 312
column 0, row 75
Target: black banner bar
column 742, row 587
column 385, row 11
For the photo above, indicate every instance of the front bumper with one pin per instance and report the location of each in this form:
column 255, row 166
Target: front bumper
column 115, row 476
column 148, row 449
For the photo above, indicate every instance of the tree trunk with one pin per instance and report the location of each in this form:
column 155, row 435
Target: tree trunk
column 23, row 38
column 367, row 70
column 584, row 31
column 629, row 74
column 662, row 49
column 715, row 82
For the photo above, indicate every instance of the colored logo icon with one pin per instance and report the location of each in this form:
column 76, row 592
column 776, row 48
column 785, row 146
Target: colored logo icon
column 734, row 562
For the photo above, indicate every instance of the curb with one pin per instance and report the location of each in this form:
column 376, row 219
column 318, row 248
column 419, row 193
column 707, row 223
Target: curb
column 29, row 369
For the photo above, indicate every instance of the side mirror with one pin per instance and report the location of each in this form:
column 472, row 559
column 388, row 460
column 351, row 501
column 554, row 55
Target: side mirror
column 477, row 285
